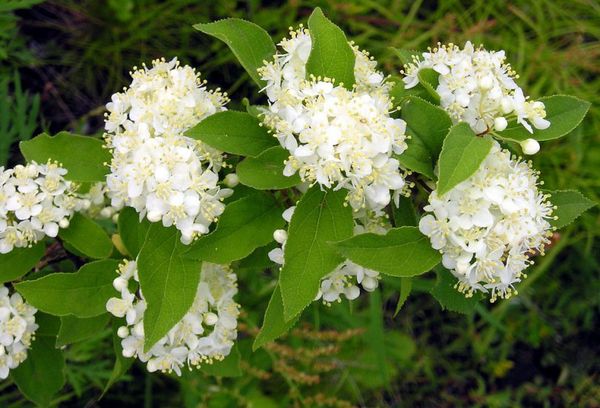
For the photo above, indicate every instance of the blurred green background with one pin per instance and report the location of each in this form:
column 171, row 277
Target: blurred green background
column 61, row 60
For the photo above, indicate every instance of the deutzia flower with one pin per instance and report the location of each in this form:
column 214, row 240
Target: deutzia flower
column 488, row 226
column 336, row 137
column 347, row 278
column 206, row 333
column 95, row 202
column 35, row 201
column 478, row 87
column 155, row 169
column 17, row 327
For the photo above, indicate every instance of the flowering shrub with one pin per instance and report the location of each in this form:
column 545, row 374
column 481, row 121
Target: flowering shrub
column 321, row 183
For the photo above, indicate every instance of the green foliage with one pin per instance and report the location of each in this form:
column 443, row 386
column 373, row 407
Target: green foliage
column 447, row 295
column 274, row 324
column 18, row 114
column 132, row 231
column 330, row 56
column 428, row 79
column 320, row 218
column 82, row 294
column 42, row 374
column 122, row 364
column 233, row 132
column 75, row 329
column 168, row 280
column 228, row 367
column 570, row 205
column 427, row 126
column 462, row 154
column 565, row 113
column 87, row 237
column 19, row 261
column 401, row 251
column 265, row 172
column 405, row 289
column 246, row 224
column 250, row 43
column 63, row 148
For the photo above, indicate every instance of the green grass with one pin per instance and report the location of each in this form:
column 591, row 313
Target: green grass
column 539, row 349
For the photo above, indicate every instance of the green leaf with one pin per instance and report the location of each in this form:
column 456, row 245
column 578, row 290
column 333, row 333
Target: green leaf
column 450, row 298
column 406, row 56
column 83, row 293
column 564, row 112
column 570, row 205
column 265, row 172
column 74, row 329
column 274, row 324
column 67, row 149
column 122, row 364
column 42, row 374
column 462, row 154
column 234, row 132
column 168, row 280
column 132, row 231
column 405, row 289
column 228, row 367
column 427, row 122
column 249, row 43
column 245, row 225
column 330, row 56
column 404, row 213
column 400, row 94
column 19, row 261
column 87, row 237
column 402, row 251
column 321, row 217
column 376, row 335
column 429, row 79
column 417, row 157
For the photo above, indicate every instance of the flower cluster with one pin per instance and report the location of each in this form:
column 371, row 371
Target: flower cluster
column 95, row 202
column 335, row 136
column 206, row 333
column 346, row 279
column 155, row 169
column 35, row 201
column 488, row 226
column 478, row 87
column 17, row 327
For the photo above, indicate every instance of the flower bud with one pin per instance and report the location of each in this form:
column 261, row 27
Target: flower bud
column 530, row 146
column 211, row 319
column 106, row 212
column 500, row 124
column 486, row 83
column 123, row 332
column 231, row 180
column 64, row 223
column 120, row 283
column 280, row 236
column 154, row 216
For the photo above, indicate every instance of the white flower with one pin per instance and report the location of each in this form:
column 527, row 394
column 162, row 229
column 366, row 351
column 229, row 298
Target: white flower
column 35, row 201
column 205, row 334
column 478, row 87
column 488, row 226
column 155, row 169
column 347, row 278
column 336, row 137
column 17, row 326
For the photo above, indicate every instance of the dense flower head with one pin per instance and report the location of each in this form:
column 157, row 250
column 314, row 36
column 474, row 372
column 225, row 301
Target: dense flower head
column 489, row 226
column 336, row 137
column 17, row 328
column 478, row 87
column 155, row 169
column 35, row 202
column 95, row 202
column 205, row 334
column 347, row 278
